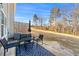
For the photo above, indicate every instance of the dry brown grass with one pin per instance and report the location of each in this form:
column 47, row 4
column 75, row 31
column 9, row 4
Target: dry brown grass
column 68, row 42
column 67, row 30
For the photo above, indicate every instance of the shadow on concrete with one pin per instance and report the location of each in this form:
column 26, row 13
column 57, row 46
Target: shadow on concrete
column 32, row 49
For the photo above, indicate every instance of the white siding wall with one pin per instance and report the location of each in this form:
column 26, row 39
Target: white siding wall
column 9, row 10
column 0, row 28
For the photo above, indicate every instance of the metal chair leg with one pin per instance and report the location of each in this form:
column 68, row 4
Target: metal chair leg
column 42, row 42
column 25, row 45
column 4, row 52
column 7, row 50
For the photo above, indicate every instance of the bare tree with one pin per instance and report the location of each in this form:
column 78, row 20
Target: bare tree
column 41, row 21
column 64, row 23
column 75, row 15
column 54, row 13
column 35, row 19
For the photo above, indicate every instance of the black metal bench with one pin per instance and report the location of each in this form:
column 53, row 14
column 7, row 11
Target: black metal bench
column 26, row 37
column 7, row 44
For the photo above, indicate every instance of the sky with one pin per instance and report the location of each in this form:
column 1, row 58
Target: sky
column 25, row 11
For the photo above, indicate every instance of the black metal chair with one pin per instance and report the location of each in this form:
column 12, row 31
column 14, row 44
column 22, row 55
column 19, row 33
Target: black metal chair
column 39, row 38
column 17, row 36
column 7, row 44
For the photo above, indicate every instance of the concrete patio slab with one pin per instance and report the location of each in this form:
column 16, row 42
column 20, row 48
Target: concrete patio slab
column 11, row 51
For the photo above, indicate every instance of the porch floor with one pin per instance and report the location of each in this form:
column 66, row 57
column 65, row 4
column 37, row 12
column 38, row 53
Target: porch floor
column 49, row 48
column 32, row 49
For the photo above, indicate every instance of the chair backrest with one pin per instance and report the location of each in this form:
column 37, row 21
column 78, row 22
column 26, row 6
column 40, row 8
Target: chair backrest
column 24, row 35
column 29, row 35
column 17, row 36
column 41, row 36
column 4, row 42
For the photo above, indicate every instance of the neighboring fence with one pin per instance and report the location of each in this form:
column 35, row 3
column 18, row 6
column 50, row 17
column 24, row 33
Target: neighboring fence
column 21, row 27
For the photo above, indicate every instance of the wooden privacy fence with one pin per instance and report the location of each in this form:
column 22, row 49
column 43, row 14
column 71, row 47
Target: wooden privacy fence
column 21, row 27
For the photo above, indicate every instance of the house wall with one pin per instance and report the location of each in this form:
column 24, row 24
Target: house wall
column 9, row 10
column 0, row 27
